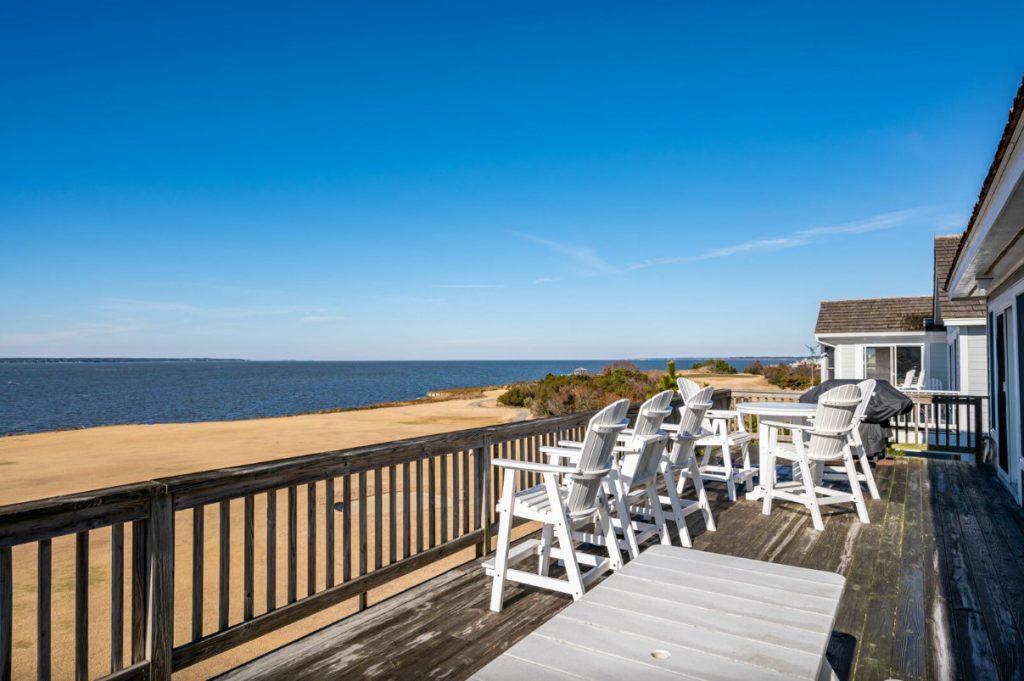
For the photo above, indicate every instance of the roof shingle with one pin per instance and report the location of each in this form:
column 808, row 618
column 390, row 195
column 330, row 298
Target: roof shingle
column 868, row 315
column 946, row 248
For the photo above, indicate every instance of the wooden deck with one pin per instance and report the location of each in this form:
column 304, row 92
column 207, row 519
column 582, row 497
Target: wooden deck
column 935, row 590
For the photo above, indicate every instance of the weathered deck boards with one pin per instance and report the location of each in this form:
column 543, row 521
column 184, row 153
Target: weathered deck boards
column 935, row 591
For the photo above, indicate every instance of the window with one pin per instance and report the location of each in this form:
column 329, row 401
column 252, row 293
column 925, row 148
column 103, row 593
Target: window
column 892, row 362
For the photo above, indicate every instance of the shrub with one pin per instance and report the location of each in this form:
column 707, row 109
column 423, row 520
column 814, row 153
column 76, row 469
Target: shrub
column 518, row 395
column 555, row 395
column 755, row 368
column 791, row 378
column 715, row 366
column 668, row 379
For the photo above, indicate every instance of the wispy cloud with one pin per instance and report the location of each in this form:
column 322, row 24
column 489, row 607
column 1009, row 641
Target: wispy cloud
column 546, row 280
column 179, row 308
column 470, row 286
column 419, row 300
column 798, row 238
column 324, row 318
column 585, row 259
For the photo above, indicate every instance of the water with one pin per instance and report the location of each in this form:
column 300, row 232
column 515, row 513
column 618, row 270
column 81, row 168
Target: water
column 42, row 396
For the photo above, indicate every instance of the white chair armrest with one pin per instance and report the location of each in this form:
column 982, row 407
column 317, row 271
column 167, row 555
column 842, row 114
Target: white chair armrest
column 570, row 443
column 533, row 466
column 571, row 453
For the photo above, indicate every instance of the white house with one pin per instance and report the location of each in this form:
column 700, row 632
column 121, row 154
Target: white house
column 942, row 341
column 990, row 262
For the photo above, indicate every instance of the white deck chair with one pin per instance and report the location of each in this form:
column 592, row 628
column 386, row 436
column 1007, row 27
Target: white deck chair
column 561, row 509
column 867, row 389
column 632, row 493
column 908, row 380
column 631, row 487
column 827, row 440
column 680, row 464
column 726, row 433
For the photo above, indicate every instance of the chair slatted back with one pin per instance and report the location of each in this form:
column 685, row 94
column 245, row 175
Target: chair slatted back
column 687, row 388
column 642, row 466
column 595, row 458
column 652, row 414
column 833, row 419
column 867, row 389
column 691, row 419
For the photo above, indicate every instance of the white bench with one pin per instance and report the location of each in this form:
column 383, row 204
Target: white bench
column 676, row 613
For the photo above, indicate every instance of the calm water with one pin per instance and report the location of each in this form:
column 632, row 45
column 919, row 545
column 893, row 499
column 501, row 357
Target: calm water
column 40, row 396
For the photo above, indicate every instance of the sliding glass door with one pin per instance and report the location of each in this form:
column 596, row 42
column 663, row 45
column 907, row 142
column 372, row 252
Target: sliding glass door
column 892, row 362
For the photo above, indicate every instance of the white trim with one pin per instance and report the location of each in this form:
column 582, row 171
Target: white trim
column 873, row 334
column 965, row 321
column 1007, row 176
column 1006, row 301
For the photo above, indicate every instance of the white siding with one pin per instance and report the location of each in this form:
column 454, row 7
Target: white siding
column 846, row 361
column 973, row 360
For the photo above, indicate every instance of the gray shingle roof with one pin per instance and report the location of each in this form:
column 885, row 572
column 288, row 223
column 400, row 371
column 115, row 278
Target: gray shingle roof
column 946, row 248
column 906, row 313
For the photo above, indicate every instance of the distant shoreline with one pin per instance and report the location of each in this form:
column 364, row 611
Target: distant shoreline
column 122, row 360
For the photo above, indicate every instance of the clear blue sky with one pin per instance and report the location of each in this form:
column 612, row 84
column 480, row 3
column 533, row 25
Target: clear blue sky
column 481, row 180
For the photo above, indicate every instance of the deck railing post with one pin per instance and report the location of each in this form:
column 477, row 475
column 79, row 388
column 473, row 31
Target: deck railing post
column 979, row 439
column 160, row 607
column 482, row 494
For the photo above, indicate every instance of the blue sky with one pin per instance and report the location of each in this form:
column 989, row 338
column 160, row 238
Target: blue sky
column 481, row 180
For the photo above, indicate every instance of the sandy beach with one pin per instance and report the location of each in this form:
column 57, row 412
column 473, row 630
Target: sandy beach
column 46, row 464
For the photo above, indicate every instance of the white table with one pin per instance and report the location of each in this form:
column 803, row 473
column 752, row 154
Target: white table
column 789, row 412
column 675, row 613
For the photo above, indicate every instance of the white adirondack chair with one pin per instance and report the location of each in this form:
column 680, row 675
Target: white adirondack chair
column 726, row 433
column 908, row 380
column 631, row 486
column 680, row 464
column 865, row 476
column 827, row 440
column 561, row 509
column 632, row 492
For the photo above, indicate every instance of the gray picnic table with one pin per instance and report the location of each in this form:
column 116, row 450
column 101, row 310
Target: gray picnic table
column 675, row 613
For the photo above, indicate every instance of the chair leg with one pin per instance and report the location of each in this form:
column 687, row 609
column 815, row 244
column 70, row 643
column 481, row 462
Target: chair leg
column 858, row 493
column 869, row 476
column 702, row 496
column 676, row 505
column 727, row 465
column 564, row 534
column 747, row 466
column 611, row 540
column 651, row 493
column 768, row 485
column 620, row 503
column 544, row 559
column 504, row 538
column 812, row 495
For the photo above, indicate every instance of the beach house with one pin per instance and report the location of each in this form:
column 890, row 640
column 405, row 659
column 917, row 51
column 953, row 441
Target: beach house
column 937, row 341
column 989, row 262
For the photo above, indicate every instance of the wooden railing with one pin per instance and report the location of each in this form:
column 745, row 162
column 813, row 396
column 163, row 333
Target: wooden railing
column 305, row 534
column 938, row 423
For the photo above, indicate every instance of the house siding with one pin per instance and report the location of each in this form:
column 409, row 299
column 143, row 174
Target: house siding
column 973, row 360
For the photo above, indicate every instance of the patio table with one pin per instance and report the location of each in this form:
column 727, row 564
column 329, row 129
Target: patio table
column 789, row 412
column 677, row 613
